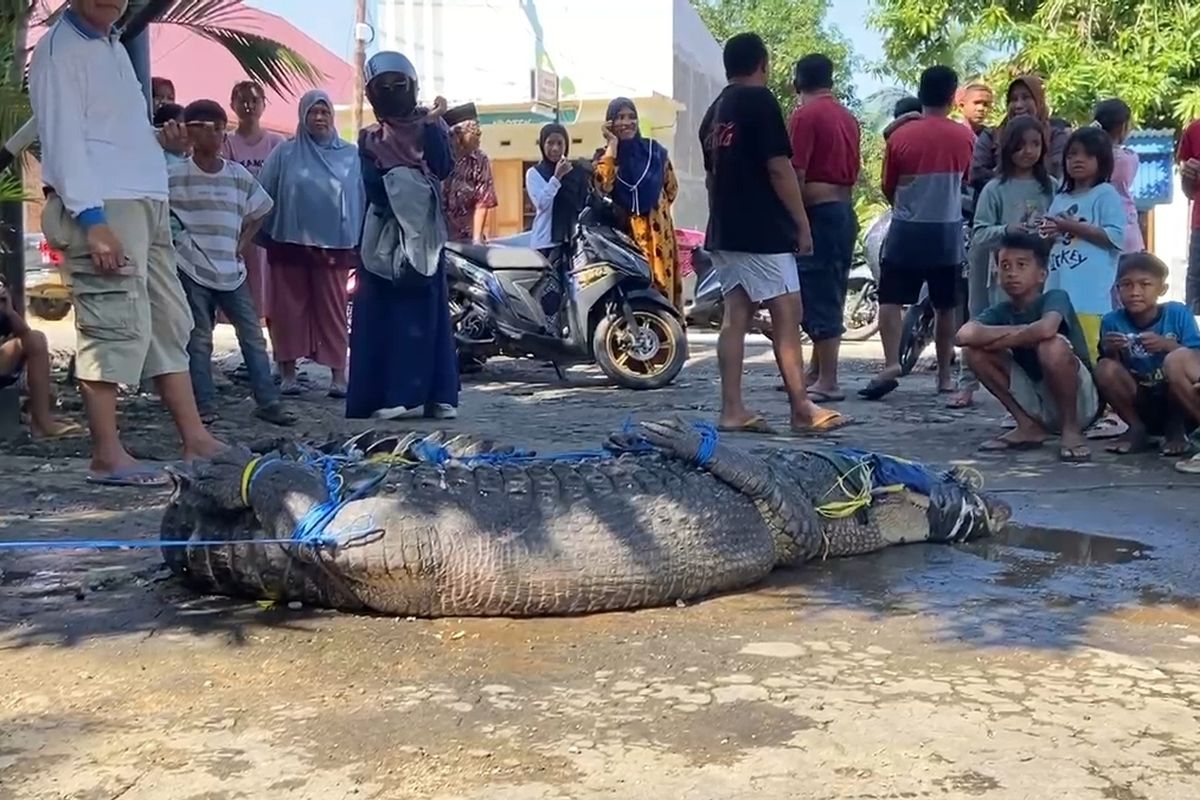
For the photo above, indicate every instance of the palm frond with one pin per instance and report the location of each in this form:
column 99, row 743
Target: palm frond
column 14, row 110
column 271, row 63
column 11, row 189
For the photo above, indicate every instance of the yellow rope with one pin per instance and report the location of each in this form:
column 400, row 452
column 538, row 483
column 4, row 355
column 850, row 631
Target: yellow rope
column 247, row 474
column 841, row 509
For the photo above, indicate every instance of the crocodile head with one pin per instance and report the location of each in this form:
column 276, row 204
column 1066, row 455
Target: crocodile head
column 216, row 481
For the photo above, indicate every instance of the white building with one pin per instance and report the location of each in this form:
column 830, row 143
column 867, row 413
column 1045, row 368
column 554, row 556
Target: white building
column 656, row 52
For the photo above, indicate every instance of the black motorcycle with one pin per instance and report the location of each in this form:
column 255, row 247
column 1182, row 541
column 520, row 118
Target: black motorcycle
column 590, row 301
column 860, row 315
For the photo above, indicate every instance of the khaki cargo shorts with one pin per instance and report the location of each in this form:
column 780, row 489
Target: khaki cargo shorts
column 134, row 324
column 1035, row 398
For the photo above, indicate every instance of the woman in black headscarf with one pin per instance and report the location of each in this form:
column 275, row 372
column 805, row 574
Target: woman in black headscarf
column 558, row 189
column 637, row 174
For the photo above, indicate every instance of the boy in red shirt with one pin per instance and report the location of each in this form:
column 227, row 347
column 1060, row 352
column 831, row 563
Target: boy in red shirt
column 923, row 171
column 1189, row 169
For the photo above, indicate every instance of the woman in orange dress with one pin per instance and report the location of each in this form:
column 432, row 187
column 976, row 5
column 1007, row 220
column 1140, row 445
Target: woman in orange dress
column 637, row 174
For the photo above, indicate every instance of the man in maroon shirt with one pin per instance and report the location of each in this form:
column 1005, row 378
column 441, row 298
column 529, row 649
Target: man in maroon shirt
column 826, row 155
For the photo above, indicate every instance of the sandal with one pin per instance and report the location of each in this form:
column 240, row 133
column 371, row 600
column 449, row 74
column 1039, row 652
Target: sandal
column 1132, row 446
column 290, row 388
column 1176, row 449
column 817, row 396
column 1080, row 454
column 879, row 389
column 829, row 423
column 276, row 414
column 1002, row 445
column 756, row 424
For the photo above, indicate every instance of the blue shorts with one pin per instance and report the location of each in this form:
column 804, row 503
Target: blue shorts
column 824, row 274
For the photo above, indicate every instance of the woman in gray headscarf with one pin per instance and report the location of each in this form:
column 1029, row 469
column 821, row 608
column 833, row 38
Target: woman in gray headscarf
column 403, row 360
column 312, row 238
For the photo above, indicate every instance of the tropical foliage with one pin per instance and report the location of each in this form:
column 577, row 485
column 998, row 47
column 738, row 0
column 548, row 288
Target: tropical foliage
column 1145, row 51
column 790, row 28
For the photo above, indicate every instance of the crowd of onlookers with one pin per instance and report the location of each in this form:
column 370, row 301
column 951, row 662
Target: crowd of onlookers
column 1064, row 307
column 170, row 226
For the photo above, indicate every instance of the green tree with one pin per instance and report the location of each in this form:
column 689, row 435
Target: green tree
column 1144, row 51
column 791, row 29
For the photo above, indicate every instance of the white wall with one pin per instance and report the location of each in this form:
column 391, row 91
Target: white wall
column 483, row 51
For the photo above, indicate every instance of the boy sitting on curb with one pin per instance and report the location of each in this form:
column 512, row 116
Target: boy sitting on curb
column 1135, row 343
column 1032, row 355
column 21, row 347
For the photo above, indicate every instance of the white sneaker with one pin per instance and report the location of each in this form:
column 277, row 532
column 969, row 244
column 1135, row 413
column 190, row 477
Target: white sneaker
column 444, row 411
column 399, row 412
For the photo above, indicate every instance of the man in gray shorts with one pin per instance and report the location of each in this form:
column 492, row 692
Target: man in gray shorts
column 756, row 226
column 108, row 214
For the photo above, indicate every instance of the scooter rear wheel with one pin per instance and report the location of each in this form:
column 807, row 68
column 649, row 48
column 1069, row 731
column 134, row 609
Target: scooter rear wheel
column 649, row 357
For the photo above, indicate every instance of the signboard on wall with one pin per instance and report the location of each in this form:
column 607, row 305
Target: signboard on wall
column 544, row 92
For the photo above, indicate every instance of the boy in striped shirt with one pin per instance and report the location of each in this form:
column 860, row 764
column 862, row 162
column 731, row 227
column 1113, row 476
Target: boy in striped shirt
column 218, row 206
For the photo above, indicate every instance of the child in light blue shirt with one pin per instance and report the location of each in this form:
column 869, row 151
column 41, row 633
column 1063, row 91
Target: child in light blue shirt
column 1086, row 222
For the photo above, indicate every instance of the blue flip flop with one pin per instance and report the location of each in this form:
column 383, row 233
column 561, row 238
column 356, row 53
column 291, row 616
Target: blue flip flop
column 139, row 477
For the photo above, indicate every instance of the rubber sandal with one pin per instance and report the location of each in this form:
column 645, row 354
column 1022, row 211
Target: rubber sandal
column 337, row 392
column 755, row 424
column 877, row 390
column 276, row 414
column 1000, row 445
column 959, row 402
column 290, row 388
column 1107, row 427
column 1184, row 450
column 139, row 477
column 73, row 430
column 817, row 396
column 1126, row 447
column 828, row 424
column 1081, row 454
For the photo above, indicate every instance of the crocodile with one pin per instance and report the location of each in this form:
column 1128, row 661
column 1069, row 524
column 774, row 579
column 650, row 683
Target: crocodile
column 670, row 514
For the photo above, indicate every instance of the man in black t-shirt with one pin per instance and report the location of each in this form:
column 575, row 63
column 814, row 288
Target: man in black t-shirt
column 21, row 347
column 756, row 226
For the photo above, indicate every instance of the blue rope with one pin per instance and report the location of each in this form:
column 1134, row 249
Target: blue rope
column 134, row 544
column 709, row 438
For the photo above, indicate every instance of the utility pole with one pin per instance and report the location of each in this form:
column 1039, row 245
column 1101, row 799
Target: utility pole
column 362, row 32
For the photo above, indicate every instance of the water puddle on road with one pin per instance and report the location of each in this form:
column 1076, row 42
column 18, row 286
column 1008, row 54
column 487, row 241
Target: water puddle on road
column 1070, row 547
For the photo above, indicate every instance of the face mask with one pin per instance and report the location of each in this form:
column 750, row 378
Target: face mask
column 393, row 101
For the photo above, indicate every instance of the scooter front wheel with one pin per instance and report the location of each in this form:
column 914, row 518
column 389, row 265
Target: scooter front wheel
column 648, row 357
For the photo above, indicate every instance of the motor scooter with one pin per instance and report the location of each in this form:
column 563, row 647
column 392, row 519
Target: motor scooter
column 591, row 300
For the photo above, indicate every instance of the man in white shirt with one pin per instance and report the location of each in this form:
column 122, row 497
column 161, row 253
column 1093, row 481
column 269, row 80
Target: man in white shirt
column 108, row 214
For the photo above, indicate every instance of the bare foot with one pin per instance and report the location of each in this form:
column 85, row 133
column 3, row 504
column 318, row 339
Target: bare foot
column 1135, row 440
column 964, row 398
column 1176, row 448
column 1073, row 448
column 1025, row 435
column 206, row 446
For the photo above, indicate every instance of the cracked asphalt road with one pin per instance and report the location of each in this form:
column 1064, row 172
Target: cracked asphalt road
column 1057, row 661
